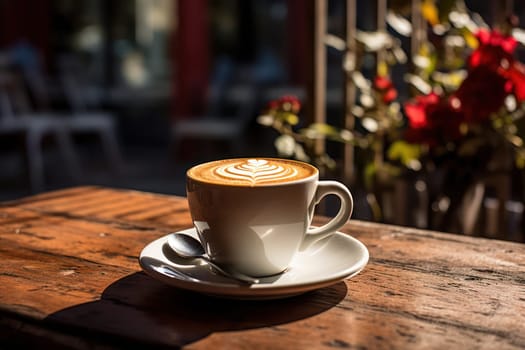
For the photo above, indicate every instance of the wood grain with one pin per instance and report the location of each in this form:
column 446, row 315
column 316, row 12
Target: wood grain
column 69, row 278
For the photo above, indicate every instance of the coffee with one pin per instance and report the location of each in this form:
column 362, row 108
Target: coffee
column 251, row 171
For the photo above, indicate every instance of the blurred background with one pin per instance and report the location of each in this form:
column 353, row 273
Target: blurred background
column 121, row 74
column 131, row 93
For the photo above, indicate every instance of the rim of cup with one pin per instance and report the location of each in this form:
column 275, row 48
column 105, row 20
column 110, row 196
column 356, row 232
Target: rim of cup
column 314, row 176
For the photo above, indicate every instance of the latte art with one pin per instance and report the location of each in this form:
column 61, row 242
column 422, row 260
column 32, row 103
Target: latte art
column 256, row 171
column 251, row 171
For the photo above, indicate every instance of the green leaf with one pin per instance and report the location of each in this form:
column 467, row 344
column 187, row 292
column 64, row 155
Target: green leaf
column 451, row 80
column 374, row 206
column 470, row 38
column 520, row 159
column 317, row 130
column 369, row 175
column 288, row 118
column 406, row 153
column 433, row 64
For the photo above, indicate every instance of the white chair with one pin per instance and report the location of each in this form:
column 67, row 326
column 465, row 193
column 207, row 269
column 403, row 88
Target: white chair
column 81, row 119
column 214, row 126
column 85, row 120
column 34, row 128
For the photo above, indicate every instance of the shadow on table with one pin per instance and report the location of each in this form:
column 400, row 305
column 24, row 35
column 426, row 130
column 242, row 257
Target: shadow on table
column 138, row 309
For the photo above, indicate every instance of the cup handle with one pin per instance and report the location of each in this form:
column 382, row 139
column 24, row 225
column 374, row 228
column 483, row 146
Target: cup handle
column 325, row 188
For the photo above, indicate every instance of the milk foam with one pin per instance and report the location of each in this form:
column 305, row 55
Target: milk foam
column 256, row 171
column 251, row 171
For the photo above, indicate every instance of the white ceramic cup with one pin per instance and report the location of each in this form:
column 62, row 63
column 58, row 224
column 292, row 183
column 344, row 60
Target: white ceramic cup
column 257, row 230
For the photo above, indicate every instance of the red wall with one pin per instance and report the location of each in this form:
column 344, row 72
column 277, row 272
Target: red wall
column 191, row 56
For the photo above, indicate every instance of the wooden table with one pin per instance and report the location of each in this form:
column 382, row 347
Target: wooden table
column 69, row 278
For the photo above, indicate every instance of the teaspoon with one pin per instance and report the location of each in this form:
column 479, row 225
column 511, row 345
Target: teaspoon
column 190, row 248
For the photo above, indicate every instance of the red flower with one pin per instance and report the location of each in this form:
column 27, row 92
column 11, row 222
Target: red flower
column 494, row 73
column 494, row 49
column 287, row 103
column 433, row 121
column 390, row 95
column 290, row 103
column 382, row 83
column 417, row 112
column 495, row 38
column 516, row 76
column 386, row 88
column 482, row 93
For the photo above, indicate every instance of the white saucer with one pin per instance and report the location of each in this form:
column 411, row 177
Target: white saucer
column 326, row 262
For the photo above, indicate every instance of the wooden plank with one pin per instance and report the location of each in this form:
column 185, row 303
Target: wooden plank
column 106, row 204
column 61, row 194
